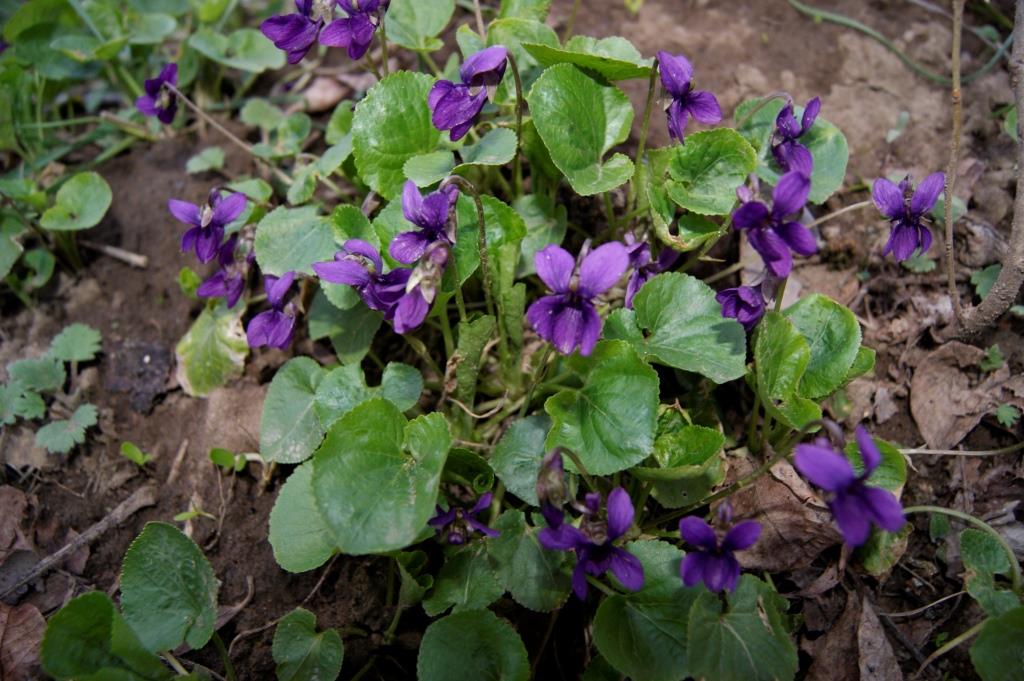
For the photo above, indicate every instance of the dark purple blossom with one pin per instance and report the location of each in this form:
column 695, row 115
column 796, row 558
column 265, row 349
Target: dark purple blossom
column 677, row 78
column 593, row 542
column 358, row 265
column 787, row 150
column 355, row 32
column 644, row 267
column 207, row 221
column 228, row 281
column 854, row 504
column 295, row 33
column 421, row 288
column 404, row 295
column 457, row 525
column 906, row 208
column 431, row 214
column 275, row 326
column 455, row 107
column 745, row 304
column 712, row 562
column 158, row 100
column 771, row 231
column 568, row 318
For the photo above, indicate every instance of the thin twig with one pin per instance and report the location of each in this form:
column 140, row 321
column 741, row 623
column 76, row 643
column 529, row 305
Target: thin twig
column 485, row 415
column 140, row 498
column 918, row 611
column 1004, row 291
column 179, row 458
column 955, row 452
column 841, row 211
column 480, row 27
column 954, row 159
column 127, row 257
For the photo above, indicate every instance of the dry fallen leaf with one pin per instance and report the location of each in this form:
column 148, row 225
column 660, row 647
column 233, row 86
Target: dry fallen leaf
column 13, row 503
column 323, row 93
column 796, row 524
column 21, row 635
column 858, row 631
column 949, row 395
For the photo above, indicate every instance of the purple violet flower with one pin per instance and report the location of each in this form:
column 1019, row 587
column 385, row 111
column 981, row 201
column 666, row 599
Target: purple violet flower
column 854, row 504
column 358, row 265
column 677, row 78
column 431, row 214
column 458, row 525
column 787, row 150
column 644, row 267
column 456, row 107
column 906, row 209
column 208, row 221
column 355, row 33
column 568, row 318
column 295, row 33
column 713, row 562
column 594, row 540
column 228, row 281
column 771, row 232
column 421, row 288
column 158, row 100
column 273, row 327
column 745, row 304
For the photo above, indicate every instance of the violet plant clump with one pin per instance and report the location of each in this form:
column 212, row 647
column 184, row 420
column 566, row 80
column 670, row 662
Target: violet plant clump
column 506, row 374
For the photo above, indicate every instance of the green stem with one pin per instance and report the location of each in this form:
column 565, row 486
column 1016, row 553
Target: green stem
column 580, row 469
column 446, row 331
column 641, row 168
column 841, row 211
column 517, row 168
column 970, row 633
column 1015, row 574
column 175, row 665
column 780, row 292
column 541, row 370
column 953, row 452
column 384, row 50
column 229, row 669
column 606, row 590
column 767, row 99
column 572, row 21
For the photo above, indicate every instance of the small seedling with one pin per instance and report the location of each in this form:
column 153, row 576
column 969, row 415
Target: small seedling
column 1008, row 415
column 131, row 452
column 228, row 460
column 993, row 359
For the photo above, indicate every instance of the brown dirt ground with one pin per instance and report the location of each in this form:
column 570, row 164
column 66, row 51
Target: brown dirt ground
column 739, row 50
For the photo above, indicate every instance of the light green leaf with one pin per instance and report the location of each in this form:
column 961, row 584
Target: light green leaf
column 891, row 473
column 686, row 330
column 466, row 582
column 643, row 634
column 88, row 640
column 538, row 579
column 613, row 58
column 537, row 10
column 351, row 330
column 301, row 653
column 376, row 476
column 690, row 465
column 40, row 374
column 340, row 125
column 996, row 653
column 390, row 126
column 304, row 186
column 131, row 451
column 707, row 170
column 512, row 33
column 75, row 343
column 245, row 49
column 984, row 558
column 415, row 24
column 985, row 279
column 299, row 535
column 496, row 148
column 168, row 590
column 213, row 351
column 428, row 169
column 518, row 455
column 833, row 337
column 10, row 246
column 747, row 642
column 580, row 119
column 502, row 224
column 546, row 224
column 292, row 239
column 290, row 430
column 81, row 203
column 610, row 421
column 260, row 113
column 781, row 356
column 256, row 189
column 472, row 646
column 824, row 140
column 473, row 336
column 149, row 29
column 60, row 437
column 401, row 385
column 17, row 401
